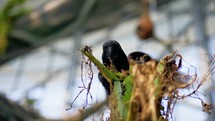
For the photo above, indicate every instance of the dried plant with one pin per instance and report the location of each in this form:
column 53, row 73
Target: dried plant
column 84, row 87
column 147, row 85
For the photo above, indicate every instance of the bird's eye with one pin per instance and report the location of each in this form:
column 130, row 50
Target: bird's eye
column 147, row 58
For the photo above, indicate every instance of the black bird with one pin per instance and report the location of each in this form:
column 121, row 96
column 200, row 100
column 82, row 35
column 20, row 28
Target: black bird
column 105, row 83
column 139, row 57
column 114, row 58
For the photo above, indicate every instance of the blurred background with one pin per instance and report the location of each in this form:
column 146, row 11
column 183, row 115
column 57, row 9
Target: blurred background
column 40, row 61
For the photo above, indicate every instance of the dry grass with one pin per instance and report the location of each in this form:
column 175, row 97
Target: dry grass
column 154, row 83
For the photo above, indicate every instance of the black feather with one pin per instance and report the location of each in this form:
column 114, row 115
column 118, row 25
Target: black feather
column 105, row 83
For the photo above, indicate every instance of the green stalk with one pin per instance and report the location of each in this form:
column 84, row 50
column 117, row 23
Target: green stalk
column 120, row 104
column 110, row 76
column 103, row 69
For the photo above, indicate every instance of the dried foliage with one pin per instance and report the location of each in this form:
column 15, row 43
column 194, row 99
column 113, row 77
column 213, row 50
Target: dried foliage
column 85, row 62
column 143, row 101
column 172, row 81
column 147, row 86
column 154, row 83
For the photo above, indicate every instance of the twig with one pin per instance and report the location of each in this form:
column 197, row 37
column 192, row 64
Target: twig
column 83, row 114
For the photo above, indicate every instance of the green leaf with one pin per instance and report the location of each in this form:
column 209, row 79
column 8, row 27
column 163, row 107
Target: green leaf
column 160, row 67
column 129, row 87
